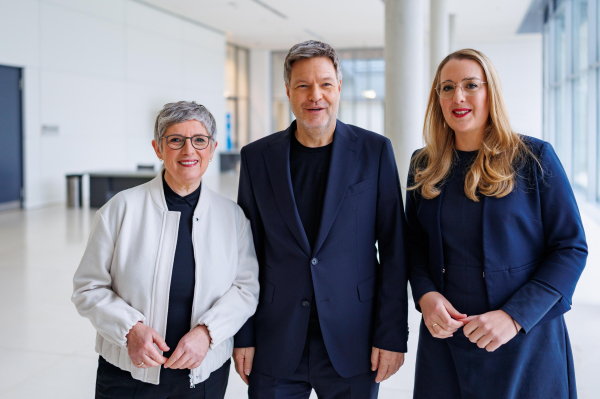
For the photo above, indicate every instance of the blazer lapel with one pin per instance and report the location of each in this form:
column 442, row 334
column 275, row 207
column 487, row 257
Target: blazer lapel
column 344, row 157
column 277, row 159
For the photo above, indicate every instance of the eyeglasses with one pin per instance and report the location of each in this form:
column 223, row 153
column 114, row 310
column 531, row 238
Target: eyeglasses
column 177, row 141
column 469, row 87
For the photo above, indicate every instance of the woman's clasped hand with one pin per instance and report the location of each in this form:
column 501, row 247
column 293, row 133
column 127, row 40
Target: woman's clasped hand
column 490, row 330
column 189, row 354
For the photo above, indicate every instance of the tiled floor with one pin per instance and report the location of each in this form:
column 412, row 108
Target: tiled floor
column 47, row 349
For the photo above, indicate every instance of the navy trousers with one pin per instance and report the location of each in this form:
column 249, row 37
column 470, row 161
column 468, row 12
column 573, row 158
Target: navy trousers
column 315, row 371
column 114, row 383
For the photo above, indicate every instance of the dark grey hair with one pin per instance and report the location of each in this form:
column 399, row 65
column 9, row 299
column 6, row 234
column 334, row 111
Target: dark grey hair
column 182, row 111
column 310, row 49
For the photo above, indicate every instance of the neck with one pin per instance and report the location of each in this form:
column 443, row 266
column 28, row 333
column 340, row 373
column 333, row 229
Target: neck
column 468, row 141
column 181, row 188
column 315, row 137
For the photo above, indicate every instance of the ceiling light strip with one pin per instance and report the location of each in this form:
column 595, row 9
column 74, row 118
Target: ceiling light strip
column 173, row 14
column 268, row 7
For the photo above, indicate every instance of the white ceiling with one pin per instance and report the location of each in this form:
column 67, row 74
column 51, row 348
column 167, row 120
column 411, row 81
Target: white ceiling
column 278, row 24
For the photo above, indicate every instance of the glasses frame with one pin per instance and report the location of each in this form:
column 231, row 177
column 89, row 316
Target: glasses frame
column 438, row 88
column 209, row 138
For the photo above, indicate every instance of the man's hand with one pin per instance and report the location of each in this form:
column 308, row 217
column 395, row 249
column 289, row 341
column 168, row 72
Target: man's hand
column 191, row 350
column 440, row 317
column 141, row 349
column 243, row 357
column 490, row 330
column 387, row 362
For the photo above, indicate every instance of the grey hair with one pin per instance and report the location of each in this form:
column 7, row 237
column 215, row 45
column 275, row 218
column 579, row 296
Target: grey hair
column 310, row 49
column 183, row 111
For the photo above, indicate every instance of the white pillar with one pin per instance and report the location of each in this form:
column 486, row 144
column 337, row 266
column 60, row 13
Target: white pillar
column 404, row 69
column 261, row 103
column 452, row 33
column 439, row 31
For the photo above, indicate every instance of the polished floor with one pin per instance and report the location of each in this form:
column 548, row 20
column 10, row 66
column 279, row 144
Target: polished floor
column 47, row 349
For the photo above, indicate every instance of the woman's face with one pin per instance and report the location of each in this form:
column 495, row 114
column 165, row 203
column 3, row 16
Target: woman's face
column 466, row 115
column 187, row 164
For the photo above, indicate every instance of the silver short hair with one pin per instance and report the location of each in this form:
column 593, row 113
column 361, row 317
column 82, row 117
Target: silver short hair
column 181, row 111
column 310, row 49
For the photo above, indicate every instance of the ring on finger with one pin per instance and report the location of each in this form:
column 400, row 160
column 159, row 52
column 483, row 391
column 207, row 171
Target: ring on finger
column 140, row 364
column 433, row 325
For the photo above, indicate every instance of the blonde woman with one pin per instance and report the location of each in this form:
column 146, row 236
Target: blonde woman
column 496, row 246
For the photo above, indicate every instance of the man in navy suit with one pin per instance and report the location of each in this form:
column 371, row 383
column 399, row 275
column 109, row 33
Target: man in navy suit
column 324, row 200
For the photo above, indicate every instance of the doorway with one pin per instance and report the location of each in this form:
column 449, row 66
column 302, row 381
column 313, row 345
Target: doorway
column 11, row 137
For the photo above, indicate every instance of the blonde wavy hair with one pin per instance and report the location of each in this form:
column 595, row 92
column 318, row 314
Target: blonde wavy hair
column 493, row 172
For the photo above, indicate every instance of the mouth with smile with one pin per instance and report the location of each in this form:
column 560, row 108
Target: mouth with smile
column 461, row 112
column 315, row 110
column 188, row 163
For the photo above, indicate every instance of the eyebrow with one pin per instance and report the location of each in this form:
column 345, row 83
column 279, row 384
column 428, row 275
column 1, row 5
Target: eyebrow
column 319, row 78
column 469, row 78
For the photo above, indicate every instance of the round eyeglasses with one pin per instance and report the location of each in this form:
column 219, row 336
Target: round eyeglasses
column 177, row 141
column 469, row 87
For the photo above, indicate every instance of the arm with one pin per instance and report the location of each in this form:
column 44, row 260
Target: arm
column 417, row 245
column 391, row 316
column 391, row 325
column 93, row 296
column 548, row 294
column 232, row 310
column 245, row 336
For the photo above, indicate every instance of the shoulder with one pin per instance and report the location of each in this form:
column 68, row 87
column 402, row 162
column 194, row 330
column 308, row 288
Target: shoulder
column 262, row 144
column 226, row 207
column 535, row 145
column 365, row 135
column 126, row 198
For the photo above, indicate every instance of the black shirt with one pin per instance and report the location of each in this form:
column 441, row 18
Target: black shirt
column 309, row 168
column 183, row 277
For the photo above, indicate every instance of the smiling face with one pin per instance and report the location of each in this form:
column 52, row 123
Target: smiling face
column 314, row 93
column 184, row 167
column 466, row 115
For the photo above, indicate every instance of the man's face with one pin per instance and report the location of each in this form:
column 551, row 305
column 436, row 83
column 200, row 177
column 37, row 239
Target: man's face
column 314, row 92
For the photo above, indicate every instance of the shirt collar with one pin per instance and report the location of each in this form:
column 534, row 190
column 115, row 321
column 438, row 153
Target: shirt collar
column 173, row 198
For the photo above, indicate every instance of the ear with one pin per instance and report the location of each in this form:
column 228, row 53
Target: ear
column 214, row 147
column 156, row 149
column 340, row 86
column 287, row 91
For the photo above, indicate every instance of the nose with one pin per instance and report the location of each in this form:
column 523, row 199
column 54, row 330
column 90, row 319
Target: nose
column 315, row 94
column 188, row 148
column 459, row 94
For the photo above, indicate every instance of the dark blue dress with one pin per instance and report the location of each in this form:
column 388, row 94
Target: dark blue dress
column 455, row 367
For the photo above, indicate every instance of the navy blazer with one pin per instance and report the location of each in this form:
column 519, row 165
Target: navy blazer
column 534, row 234
column 361, row 301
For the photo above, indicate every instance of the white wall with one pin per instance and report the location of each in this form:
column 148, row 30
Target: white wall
column 101, row 70
column 519, row 63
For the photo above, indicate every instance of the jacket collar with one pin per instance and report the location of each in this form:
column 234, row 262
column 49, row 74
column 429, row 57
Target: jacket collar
column 155, row 186
column 344, row 155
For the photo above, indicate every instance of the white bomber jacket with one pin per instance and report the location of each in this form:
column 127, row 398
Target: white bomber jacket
column 125, row 274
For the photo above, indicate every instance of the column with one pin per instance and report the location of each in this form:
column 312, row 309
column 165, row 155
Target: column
column 261, row 103
column 439, row 29
column 405, row 95
column 452, row 30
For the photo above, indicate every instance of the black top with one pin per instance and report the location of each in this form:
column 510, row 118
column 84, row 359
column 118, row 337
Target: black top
column 461, row 222
column 183, row 277
column 309, row 168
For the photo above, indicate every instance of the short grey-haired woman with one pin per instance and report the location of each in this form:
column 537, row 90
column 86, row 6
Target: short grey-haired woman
column 169, row 274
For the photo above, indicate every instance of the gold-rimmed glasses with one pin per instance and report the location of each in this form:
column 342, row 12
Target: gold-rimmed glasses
column 469, row 87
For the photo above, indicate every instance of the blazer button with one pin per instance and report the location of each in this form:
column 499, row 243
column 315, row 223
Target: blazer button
column 305, row 304
column 314, row 262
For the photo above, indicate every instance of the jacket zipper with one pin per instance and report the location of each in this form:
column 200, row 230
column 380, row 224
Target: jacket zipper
column 192, row 385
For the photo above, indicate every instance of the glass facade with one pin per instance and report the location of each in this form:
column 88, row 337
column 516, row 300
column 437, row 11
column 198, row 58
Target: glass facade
column 236, row 94
column 363, row 90
column 571, row 87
